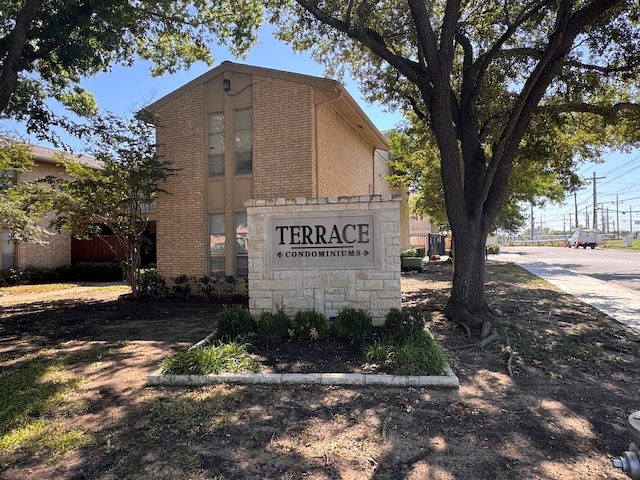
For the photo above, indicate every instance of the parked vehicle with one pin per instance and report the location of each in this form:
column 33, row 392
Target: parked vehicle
column 584, row 238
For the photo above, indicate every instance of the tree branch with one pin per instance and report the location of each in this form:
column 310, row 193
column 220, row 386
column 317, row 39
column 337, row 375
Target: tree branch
column 16, row 43
column 602, row 110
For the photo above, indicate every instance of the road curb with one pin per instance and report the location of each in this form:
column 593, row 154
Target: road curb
column 448, row 380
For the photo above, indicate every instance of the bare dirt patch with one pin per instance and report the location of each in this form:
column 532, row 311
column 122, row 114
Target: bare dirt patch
column 560, row 416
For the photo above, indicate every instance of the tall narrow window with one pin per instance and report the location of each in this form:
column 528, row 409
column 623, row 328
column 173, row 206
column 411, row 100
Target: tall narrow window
column 244, row 140
column 216, row 246
column 8, row 251
column 242, row 260
column 216, row 144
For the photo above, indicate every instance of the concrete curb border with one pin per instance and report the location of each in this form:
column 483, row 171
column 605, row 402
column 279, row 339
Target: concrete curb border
column 449, row 380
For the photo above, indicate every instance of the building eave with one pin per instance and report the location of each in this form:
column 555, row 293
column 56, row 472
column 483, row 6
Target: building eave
column 345, row 105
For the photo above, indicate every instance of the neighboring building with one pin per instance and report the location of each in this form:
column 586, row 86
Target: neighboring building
column 240, row 132
column 61, row 248
column 58, row 250
column 419, row 230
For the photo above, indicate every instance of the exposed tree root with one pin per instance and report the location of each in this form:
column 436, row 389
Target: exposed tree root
column 464, row 326
column 461, row 314
column 512, row 355
column 488, row 339
column 509, row 363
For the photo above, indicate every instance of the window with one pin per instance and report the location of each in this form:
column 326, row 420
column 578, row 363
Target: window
column 244, row 140
column 8, row 179
column 242, row 260
column 8, row 251
column 216, row 246
column 216, row 144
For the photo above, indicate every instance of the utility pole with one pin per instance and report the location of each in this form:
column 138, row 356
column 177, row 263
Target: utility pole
column 618, row 214
column 575, row 205
column 586, row 216
column 533, row 225
column 595, row 201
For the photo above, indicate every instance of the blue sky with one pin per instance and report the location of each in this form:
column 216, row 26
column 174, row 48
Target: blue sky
column 617, row 191
column 124, row 90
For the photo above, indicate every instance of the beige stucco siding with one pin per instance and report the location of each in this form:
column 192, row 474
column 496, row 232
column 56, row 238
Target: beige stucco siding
column 181, row 221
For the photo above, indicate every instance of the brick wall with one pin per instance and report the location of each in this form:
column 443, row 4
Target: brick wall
column 58, row 250
column 376, row 290
column 181, row 218
column 345, row 159
column 283, row 131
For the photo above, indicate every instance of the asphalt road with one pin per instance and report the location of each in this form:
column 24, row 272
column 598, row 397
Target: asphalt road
column 620, row 267
column 604, row 278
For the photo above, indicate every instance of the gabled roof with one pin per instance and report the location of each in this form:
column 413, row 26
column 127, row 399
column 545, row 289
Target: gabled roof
column 47, row 155
column 330, row 89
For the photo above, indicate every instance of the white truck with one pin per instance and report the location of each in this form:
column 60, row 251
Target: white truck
column 584, row 238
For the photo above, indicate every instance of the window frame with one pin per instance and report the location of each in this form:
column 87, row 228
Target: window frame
column 243, row 157
column 218, row 158
column 217, row 256
column 240, row 221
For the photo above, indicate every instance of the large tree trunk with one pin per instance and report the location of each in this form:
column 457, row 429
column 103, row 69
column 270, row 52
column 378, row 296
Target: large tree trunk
column 467, row 303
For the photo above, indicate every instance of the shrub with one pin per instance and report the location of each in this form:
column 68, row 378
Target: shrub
column 223, row 357
column 234, row 323
column 353, row 323
column 413, row 252
column 205, row 286
column 419, row 356
column 75, row 272
column 181, row 286
column 378, row 352
column 10, row 276
column 493, row 249
column 309, row 325
column 273, row 326
column 402, row 325
column 152, row 285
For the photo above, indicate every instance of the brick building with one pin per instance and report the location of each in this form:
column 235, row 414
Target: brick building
column 58, row 250
column 240, row 132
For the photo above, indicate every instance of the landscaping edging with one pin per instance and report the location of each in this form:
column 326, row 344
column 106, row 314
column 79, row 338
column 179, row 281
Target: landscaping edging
column 448, row 380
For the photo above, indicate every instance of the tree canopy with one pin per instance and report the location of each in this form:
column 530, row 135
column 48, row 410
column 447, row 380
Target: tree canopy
column 118, row 198
column 494, row 81
column 22, row 205
column 48, row 46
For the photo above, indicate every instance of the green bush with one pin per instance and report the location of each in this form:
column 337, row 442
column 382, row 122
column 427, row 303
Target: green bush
column 181, row 286
column 403, row 325
column 378, row 352
column 152, row 285
column 75, row 272
column 493, row 249
column 309, row 325
column 413, row 252
column 220, row 358
column 273, row 326
column 205, row 286
column 9, row 276
column 418, row 356
column 353, row 324
column 235, row 323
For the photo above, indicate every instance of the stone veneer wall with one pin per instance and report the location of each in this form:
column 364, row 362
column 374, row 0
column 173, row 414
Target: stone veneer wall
column 376, row 290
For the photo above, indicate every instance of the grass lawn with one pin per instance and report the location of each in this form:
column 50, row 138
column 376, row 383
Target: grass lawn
column 74, row 404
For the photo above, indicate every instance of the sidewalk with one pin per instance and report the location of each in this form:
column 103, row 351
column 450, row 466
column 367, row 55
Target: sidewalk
column 618, row 302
